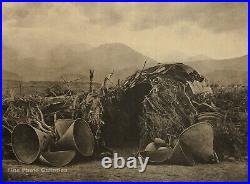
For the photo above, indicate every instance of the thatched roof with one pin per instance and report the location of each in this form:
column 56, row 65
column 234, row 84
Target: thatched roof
column 179, row 72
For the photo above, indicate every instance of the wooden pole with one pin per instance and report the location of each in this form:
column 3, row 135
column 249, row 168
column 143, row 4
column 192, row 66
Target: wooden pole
column 20, row 88
column 91, row 76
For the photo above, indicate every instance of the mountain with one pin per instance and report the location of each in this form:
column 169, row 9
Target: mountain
column 37, row 69
column 78, row 59
column 228, row 77
column 30, row 71
column 225, row 71
column 199, row 57
column 65, row 54
column 72, row 77
column 177, row 56
column 6, row 75
column 106, row 58
column 28, row 68
column 74, row 61
column 9, row 57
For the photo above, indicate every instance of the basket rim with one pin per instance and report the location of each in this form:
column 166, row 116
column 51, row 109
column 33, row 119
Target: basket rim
column 190, row 127
column 12, row 138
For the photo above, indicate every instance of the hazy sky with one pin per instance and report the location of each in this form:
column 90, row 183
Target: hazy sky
column 218, row 30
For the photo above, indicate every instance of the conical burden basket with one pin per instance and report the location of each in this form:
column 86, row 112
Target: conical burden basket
column 28, row 142
column 62, row 126
column 214, row 118
column 198, row 139
column 77, row 137
column 181, row 156
column 58, row 158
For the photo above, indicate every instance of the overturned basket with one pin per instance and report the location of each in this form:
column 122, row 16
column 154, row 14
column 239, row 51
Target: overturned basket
column 57, row 158
column 78, row 137
column 28, row 142
column 195, row 144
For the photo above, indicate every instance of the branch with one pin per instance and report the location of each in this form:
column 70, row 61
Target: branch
column 42, row 119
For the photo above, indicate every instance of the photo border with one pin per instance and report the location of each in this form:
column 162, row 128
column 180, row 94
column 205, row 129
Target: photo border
column 17, row 1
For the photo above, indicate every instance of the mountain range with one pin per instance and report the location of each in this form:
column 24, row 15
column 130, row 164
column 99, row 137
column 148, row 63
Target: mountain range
column 75, row 61
column 225, row 71
column 66, row 60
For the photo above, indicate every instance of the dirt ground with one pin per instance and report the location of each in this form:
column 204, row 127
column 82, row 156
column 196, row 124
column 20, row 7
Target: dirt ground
column 93, row 171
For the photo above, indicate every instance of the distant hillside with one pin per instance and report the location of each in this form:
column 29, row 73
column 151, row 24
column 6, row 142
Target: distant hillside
column 77, row 60
column 28, row 68
column 198, row 58
column 181, row 57
column 65, row 54
column 108, row 57
column 6, row 75
column 35, row 69
column 72, row 77
column 227, row 77
column 226, row 71
column 74, row 61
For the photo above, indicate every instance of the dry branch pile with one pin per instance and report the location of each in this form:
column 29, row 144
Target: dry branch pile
column 160, row 101
column 233, row 131
column 42, row 112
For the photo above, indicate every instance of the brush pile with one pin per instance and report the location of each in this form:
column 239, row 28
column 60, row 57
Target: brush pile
column 161, row 101
column 233, row 131
column 42, row 113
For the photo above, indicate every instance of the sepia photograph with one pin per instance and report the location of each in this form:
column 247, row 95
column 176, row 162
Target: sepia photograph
column 125, row 91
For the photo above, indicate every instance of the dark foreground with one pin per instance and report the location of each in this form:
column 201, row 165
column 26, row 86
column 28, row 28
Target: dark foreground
column 93, row 171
